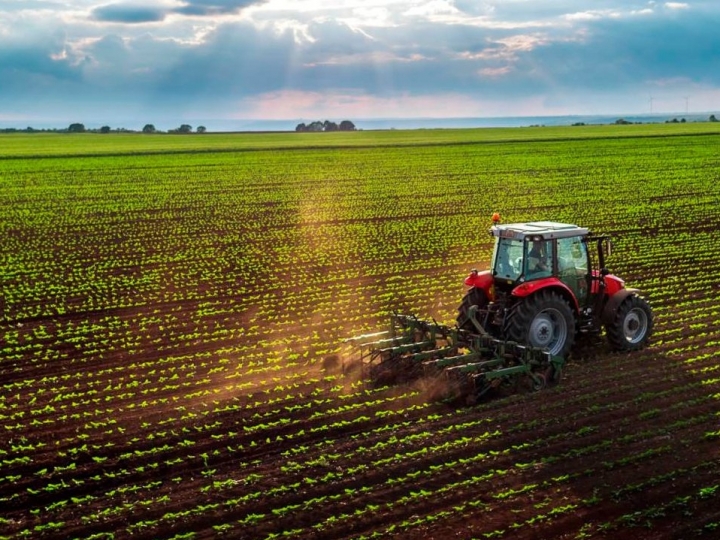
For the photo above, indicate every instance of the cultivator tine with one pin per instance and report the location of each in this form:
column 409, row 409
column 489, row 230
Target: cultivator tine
column 470, row 364
column 555, row 369
column 401, row 351
column 433, row 355
column 495, row 363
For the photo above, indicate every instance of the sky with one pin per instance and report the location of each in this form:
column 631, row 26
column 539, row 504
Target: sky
column 131, row 62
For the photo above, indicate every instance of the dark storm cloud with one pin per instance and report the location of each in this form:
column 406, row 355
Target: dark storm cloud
column 214, row 7
column 128, row 14
column 625, row 53
column 235, row 59
column 36, row 76
column 685, row 45
column 336, row 38
column 44, row 58
column 137, row 14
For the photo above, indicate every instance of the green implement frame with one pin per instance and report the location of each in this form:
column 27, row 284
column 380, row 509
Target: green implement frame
column 468, row 363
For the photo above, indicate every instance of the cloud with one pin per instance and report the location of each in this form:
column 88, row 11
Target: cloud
column 432, row 8
column 494, row 72
column 591, row 15
column 234, row 59
column 139, row 14
column 473, row 7
column 128, row 13
column 214, row 7
column 7, row 6
column 676, row 5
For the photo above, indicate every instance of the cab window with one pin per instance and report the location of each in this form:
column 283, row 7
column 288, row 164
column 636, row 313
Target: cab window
column 538, row 258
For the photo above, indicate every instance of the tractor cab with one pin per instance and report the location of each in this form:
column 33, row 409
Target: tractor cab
column 529, row 252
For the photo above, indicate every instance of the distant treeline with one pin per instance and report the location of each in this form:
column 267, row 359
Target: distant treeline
column 345, row 125
column 327, row 125
column 622, row 121
column 80, row 128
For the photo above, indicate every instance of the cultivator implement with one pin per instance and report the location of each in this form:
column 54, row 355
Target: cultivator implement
column 467, row 364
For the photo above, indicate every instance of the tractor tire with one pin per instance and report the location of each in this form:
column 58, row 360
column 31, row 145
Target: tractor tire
column 544, row 320
column 474, row 297
column 632, row 325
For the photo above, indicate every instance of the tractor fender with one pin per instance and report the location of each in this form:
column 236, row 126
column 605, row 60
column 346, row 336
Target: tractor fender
column 613, row 285
column 481, row 280
column 531, row 287
column 612, row 305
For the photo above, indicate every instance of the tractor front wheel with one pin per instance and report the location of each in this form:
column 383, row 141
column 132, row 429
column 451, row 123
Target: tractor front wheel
column 544, row 320
column 632, row 325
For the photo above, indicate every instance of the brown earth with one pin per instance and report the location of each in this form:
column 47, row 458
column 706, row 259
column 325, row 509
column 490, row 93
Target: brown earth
column 620, row 449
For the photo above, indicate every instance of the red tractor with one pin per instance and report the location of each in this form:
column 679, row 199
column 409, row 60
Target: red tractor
column 547, row 283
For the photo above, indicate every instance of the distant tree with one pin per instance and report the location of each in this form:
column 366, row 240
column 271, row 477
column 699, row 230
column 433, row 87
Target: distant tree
column 105, row 129
column 149, row 128
column 185, row 128
column 682, row 120
column 622, row 121
column 327, row 125
column 76, row 128
column 347, row 125
column 712, row 118
column 201, row 129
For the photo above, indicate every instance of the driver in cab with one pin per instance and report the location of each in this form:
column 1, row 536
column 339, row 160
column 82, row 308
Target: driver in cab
column 537, row 260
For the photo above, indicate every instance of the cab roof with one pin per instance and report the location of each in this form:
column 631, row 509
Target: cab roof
column 538, row 230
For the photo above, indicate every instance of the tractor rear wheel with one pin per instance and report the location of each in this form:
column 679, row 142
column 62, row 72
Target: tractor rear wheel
column 632, row 325
column 474, row 297
column 543, row 320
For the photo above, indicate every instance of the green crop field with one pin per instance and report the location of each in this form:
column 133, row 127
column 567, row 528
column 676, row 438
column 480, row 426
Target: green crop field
column 172, row 308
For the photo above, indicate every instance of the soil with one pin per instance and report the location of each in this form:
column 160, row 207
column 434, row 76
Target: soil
column 187, row 441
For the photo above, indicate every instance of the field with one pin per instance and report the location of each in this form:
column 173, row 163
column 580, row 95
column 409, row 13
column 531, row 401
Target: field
column 174, row 310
